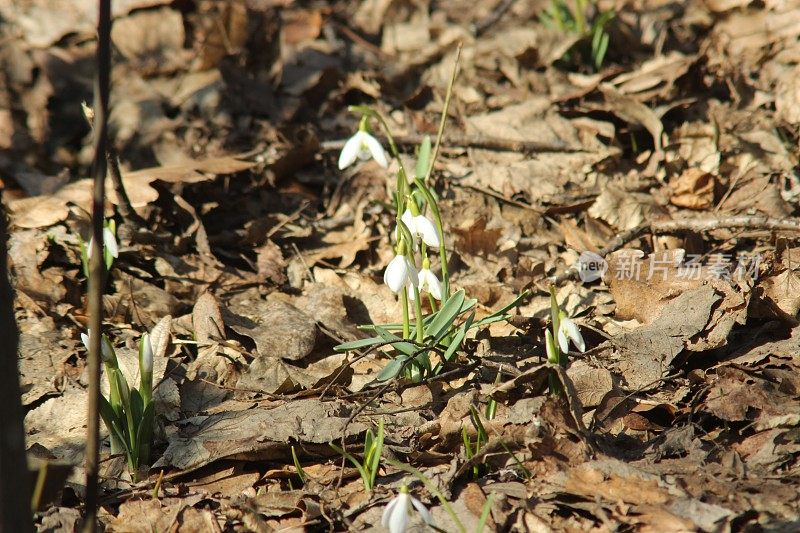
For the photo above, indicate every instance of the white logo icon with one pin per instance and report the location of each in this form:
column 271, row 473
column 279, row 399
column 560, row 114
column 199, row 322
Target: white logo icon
column 591, row 266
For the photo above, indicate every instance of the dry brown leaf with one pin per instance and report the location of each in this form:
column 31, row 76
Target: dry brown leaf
column 344, row 244
column 43, row 211
column 152, row 40
column 736, row 396
column 43, row 22
column 207, row 319
column 270, row 263
column 536, row 177
column 144, row 516
column 278, row 328
column 647, row 352
column 631, row 110
column 780, row 285
column 27, row 252
column 655, row 77
column 694, row 189
column 625, row 210
column 257, row 434
column 616, row 481
column 591, row 383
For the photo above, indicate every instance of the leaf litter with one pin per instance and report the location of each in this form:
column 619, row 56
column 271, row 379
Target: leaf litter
column 228, row 120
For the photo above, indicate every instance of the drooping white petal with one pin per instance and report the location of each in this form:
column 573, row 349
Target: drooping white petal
column 426, row 515
column 413, row 276
column 573, row 332
column 387, row 512
column 375, row 149
column 568, row 330
column 429, row 282
column 397, row 273
column 85, row 340
column 396, row 515
column 563, row 342
column 350, row 151
column 408, row 220
column 410, row 291
column 110, row 242
column 426, row 229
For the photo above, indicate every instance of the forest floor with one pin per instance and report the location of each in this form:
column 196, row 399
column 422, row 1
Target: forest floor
column 661, row 137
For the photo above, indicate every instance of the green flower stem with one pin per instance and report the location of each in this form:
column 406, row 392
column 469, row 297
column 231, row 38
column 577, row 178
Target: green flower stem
column 146, row 388
column 437, row 219
column 580, row 17
column 555, row 315
column 116, row 405
column 404, row 305
column 418, row 313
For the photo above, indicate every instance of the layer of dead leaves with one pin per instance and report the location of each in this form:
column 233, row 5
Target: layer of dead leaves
column 683, row 414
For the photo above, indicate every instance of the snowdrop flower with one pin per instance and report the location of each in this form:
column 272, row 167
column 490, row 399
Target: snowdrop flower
column 399, row 273
column 398, row 512
column 421, row 226
column 362, row 146
column 106, row 352
column 427, row 282
column 109, row 241
column 568, row 330
column 147, row 355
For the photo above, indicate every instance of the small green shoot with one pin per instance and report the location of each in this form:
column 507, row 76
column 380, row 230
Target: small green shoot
column 129, row 413
column 481, row 438
column 300, row 472
column 562, row 16
column 373, row 448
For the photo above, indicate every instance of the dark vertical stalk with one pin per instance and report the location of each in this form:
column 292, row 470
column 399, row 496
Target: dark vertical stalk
column 15, row 494
column 96, row 264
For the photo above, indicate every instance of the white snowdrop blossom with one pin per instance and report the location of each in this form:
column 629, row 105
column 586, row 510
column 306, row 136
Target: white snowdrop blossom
column 147, row 355
column 397, row 514
column 568, row 330
column 109, row 241
column 399, row 273
column 362, row 146
column 427, row 282
column 106, row 351
column 421, row 226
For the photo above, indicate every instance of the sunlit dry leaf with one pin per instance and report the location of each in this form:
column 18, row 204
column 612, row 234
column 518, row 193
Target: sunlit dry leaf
column 625, row 210
column 780, row 285
column 542, row 176
column 43, row 211
column 144, row 516
column 59, row 424
column 694, row 189
column 591, row 383
column 258, row 434
column 278, row 328
column 43, row 22
column 654, row 77
column 152, row 40
column 647, row 352
column 634, row 112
